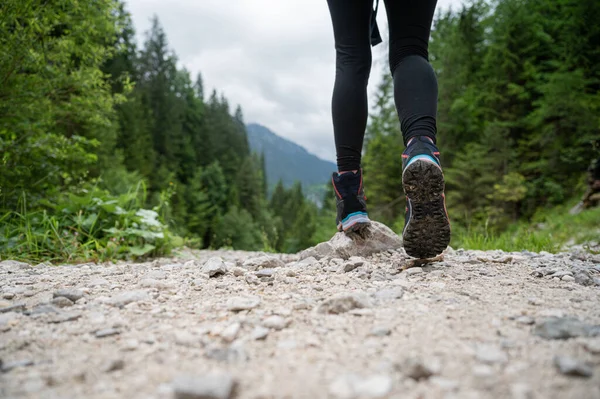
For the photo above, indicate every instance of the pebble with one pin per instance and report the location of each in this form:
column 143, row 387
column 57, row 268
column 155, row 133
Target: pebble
column 569, row 366
column 389, row 294
column 61, row 302
column 380, row 331
column 127, row 297
column 238, row 303
column 107, row 332
column 592, row 346
column 6, row 367
column 263, row 262
column 265, row 273
column 275, row 322
column 8, row 295
column 525, row 320
column 42, row 309
column 209, row 386
column 114, row 365
column 568, row 278
column 564, row 328
column 490, row 354
column 259, row 333
column 417, row 369
column 348, row 386
column 64, row 317
column 413, row 270
column 230, row 333
column 214, row 267
column 70, row 293
column 130, row 345
column 344, row 302
column 18, row 307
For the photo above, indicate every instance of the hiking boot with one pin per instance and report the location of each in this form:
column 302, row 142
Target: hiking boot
column 427, row 226
column 351, row 201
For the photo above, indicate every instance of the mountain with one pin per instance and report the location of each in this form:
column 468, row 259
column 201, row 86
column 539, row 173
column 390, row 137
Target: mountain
column 286, row 160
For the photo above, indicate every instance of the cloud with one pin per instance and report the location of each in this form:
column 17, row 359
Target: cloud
column 274, row 58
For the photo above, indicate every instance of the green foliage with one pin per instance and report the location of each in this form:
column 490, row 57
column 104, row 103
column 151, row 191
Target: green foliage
column 90, row 225
column 55, row 104
column 550, row 230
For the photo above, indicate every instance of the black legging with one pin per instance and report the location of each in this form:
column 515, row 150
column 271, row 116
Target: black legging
column 415, row 84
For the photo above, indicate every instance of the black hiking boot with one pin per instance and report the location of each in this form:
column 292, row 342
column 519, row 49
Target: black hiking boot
column 427, row 227
column 351, row 201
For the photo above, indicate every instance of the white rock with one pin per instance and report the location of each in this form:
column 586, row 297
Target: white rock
column 214, row 267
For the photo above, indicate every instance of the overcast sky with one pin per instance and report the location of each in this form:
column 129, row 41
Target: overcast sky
column 275, row 58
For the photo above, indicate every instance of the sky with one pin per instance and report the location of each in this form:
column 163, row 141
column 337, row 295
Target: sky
column 275, row 58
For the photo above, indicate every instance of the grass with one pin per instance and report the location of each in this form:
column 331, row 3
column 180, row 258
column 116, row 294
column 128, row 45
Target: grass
column 550, row 230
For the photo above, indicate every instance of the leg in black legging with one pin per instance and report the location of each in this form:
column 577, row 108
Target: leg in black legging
column 351, row 28
column 415, row 84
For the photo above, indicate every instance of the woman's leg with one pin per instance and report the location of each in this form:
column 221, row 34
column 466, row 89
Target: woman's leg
column 351, row 28
column 415, row 84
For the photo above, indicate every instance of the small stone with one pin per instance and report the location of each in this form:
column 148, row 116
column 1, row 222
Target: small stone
column 6, row 367
column 490, row 354
column 70, row 293
column 63, row 317
column 583, row 277
column 573, row 367
column 114, row 365
column 156, row 284
column 275, row 322
column 413, row 270
column 535, row 301
column 235, row 353
column 107, row 332
column 568, row 278
column 17, row 307
column 42, row 309
column 239, row 303
column 389, row 294
column 564, row 328
column 61, row 302
column 525, row 320
column 209, row 386
column 127, row 297
column 265, row 273
column 238, row 271
column 343, row 303
column 592, row 346
column 259, row 333
column 8, row 295
column 263, row 262
column 230, row 333
column 251, row 279
column 99, row 282
column 130, row 345
column 417, row 369
column 380, row 331
column 376, row 386
column 214, row 267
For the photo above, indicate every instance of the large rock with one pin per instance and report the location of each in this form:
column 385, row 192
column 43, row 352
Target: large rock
column 376, row 238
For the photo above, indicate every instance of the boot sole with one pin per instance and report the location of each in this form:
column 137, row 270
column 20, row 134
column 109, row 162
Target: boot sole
column 427, row 233
column 355, row 223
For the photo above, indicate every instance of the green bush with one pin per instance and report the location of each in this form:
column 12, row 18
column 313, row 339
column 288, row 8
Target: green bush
column 89, row 225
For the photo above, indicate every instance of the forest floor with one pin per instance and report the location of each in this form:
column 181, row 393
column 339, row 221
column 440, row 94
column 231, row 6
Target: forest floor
column 347, row 319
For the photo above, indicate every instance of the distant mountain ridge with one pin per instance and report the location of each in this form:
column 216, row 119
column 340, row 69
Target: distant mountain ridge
column 286, row 160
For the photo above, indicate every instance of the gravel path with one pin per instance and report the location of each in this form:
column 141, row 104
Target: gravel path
column 321, row 324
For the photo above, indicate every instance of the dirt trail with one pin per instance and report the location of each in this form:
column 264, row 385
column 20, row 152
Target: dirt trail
column 470, row 325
